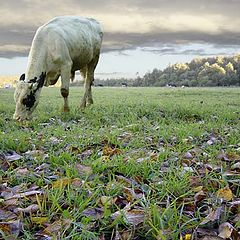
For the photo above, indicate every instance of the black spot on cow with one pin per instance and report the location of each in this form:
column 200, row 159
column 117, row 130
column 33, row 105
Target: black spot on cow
column 34, row 80
column 29, row 100
column 41, row 80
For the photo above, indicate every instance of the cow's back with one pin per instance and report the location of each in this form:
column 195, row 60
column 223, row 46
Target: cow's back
column 82, row 37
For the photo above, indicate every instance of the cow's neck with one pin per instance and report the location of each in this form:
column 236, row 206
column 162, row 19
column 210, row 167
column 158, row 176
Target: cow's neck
column 36, row 64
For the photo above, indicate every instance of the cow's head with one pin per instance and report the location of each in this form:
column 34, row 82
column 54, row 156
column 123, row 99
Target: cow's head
column 26, row 96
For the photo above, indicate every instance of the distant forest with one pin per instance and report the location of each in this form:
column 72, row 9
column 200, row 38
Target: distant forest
column 200, row 72
column 209, row 72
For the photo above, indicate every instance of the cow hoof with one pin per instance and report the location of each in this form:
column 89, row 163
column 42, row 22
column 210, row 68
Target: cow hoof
column 89, row 102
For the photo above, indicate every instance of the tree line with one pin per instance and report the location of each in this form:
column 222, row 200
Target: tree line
column 211, row 72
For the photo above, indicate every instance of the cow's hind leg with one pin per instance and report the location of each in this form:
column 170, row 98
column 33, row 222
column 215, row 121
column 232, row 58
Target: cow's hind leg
column 89, row 78
column 65, row 79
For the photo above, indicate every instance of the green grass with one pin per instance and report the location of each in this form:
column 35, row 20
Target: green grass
column 152, row 128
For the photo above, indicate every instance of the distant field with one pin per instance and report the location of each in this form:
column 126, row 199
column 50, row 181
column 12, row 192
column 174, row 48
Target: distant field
column 141, row 163
column 8, row 81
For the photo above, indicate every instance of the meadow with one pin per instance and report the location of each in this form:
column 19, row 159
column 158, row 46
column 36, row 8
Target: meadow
column 140, row 163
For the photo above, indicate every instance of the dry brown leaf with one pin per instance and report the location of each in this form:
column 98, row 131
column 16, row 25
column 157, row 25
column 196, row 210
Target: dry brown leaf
column 22, row 172
column 130, row 194
column 236, row 166
column 11, row 227
column 6, row 215
column 57, row 227
column 225, row 230
column 225, row 193
column 11, row 202
column 135, row 216
column 212, row 216
column 30, row 209
column 199, row 196
column 25, row 194
column 12, row 156
column 106, row 201
column 83, row 170
column 236, row 219
column 202, row 232
column 95, row 213
column 108, row 151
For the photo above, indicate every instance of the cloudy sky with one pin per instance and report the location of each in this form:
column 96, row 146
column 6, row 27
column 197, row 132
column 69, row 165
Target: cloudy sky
column 139, row 35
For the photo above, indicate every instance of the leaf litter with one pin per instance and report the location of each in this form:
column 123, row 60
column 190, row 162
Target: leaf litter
column 217, row 207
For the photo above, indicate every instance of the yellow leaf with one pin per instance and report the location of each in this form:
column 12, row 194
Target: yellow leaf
column 198, row 189
column 60, row 183
column 39, row 220
column 225, row 193
column 188, row 237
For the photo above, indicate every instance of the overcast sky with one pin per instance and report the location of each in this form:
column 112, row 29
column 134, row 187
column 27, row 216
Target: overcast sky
column 139, row 35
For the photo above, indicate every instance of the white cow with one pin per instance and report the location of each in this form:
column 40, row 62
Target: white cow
column 59, row 48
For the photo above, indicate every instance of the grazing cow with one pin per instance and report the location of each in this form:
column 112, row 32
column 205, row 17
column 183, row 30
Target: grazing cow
column 59, row 48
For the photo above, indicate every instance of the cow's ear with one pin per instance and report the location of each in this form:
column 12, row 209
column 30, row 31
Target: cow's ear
column 22, row 78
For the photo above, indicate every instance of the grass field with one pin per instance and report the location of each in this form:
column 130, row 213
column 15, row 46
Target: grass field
column 141, row 163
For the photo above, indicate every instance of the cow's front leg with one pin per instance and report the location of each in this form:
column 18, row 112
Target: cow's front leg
column 65, row 79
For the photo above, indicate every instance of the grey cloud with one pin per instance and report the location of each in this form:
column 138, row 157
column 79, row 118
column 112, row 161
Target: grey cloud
column 22, row 32
column 157, row 38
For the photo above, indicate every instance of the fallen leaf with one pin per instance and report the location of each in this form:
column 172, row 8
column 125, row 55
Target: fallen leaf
column 225, row 194
column 213, row 216
column 198, row 189
column 63, row 182
column 95, row 213
column 82, row 170
column 188, row 155
column 39, row 220
column 236, row 166
column 30, row 209
column 130, row 194
column 186, row 237
column 202, row 232
column 108, row 151
column 21, row 172
column 25, row 194
column 6, row 215
column 135, row 216
column 225, row 230
column 84, row 155
column 199, row 197
column 106, row 201
column 12, row 156
column 11, row 227
column 57, row 227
